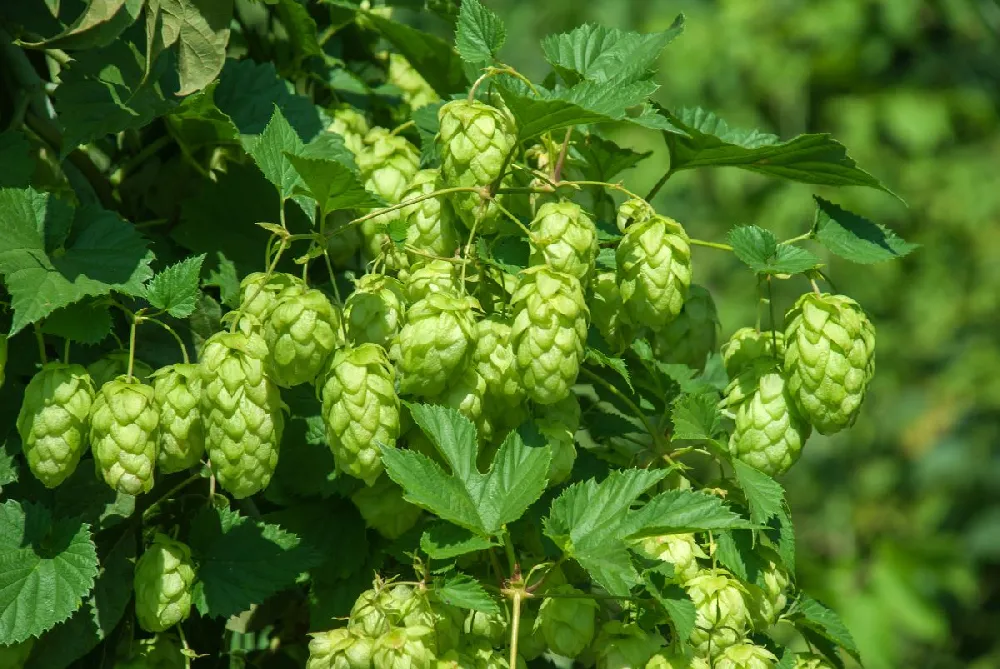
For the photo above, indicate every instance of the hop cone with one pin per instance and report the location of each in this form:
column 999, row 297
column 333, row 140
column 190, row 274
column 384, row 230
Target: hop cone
column 435, row 344
column 768, row 597
column 444, row 620
column 403, row 648
column 360, row 410
column 745, row 656
column 416, row 91
column 769, row 432
column 747, row 346
column 531, row 642
column 691, row 337
column 608, row 311
column 488, row 627
column 474, row 141
column 675, row 660
column 680, row 550
column 124, row 430
column 811, row 661
column 567, row 623
column 177, row 393
column 53, row 421
column 301, row 332
column 241, row 409
column 633, row 211
column 430, row 223
column 387, row 165
column 258, row 296
column 369, row 616
column 383, row 508
column 352, row 126
column 432, row 276
column 654, row 271
column 721, row 614
column 114, row 365
column 16, row 656
column 564, row 237
column 830, row 359
column 164, row 576
column 558, row 423
column 339, row 649
column 375, row 310
column 161, row 652
column 549, row 332
column 493, row 359
column 625, row 646
column 466, row 394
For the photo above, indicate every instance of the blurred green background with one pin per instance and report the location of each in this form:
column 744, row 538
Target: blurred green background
column 899, row 518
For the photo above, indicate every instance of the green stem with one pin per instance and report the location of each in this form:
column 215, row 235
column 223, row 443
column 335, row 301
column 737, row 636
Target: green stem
column 557, row 171
column 659, row 185
column 711, row 245
column 41, row 344
column 177, row 338
column 508, row 548
column 406, row 203
column 282, row 245
column 139, row 158
column 184, row 643
column 468, row 246
column 131, row 346
column 801, row 238
column 774, row 322
column 496, row 566
column 515, row 627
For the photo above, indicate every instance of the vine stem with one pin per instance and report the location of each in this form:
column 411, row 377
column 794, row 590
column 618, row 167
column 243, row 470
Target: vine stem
column 41, row 344
column 177, row 338
column 557, row 170
column 187, row 659
column 711, row 245
column 131, row 346
column 659, row 184
column 515, row 626
column 406, row 203
column 800, row 238
column 282, row 245
column 774, row 323
column 472, row 236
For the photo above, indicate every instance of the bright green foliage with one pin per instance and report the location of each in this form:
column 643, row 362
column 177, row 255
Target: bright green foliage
column 259, row 293
column 416, row 91
column 114, row 365
column 632, row 211
column 435, row 345
column 352, row 126
column 384, row 509
column 654, row 271
column 430, row 276
column 745, row 656
column 444, row 620
column 625, row 645
column 567, row 623
column 374, row 311
column 164, row 576
column 242, row 411
column 691, row 337
column 558, row 423
column 670, row 660
column 564, row 237
column 768, row 598
column 15, row 657
column 360, row 409
column 161, row 652
column 124, row 435
column 680, row 550
column 531, row 642
column 475, row 141
column 339, row 648
column 490, row 628
column 769, row 432
column 829, row 358
column 404, row 648
column 722, row 616
column 548, row 333
column 177, row 393
column 608, row 311
column 54, row 421
column 301, row 332
column 430, row 223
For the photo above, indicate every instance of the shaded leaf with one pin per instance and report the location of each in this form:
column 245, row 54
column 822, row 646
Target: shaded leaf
column 760, row 251
column 480, row 33
column 855, row 238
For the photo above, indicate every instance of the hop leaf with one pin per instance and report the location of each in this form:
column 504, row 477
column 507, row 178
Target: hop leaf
column 164, row 577
column 177, row 393
column 564, row 237
column 301, row 331
column 692, row 336
column 654, row 271
column 124, row 431
column 622, row 646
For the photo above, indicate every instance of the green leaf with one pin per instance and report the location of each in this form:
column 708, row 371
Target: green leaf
column 765, row 496
column 199, row 29
column 223, row 277
column 175, row 289
column 87, row 498
column 706, row 140
column 104, row 253
column 481, row 503
column 18, row 165
column 268, row 150
column 426, row 121
column 677, row 511
column 100, row 23
column 87, row 322
column 248, row 93
column 855, row 238
column 47, row 566
column 600, row 359
column 675, row 600
column 787, row 660
column 760, row 251
column 600, row 159
column 443, row 541
column 464, row 592
column 480, row 33
column 242, row 562
column 696, row 416
column 589, row 522
column 809, row 613
column 302, row 30
column 332, row 184
column 430, row 56
column 734, row 550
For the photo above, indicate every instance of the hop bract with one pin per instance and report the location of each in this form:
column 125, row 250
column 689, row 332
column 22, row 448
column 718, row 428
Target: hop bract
column 625, row 645
column 435, row 344
column 404, row 648
column 241, row 408
column 430, row 223
column 164, row 576
column 493, row 359
column 432, row 276
column 177, row 393
column 549, row 332
column 747, row 346
column 383, row 508
column 352, row 126
column 654, row 271
column 124, row 431
column 564, row 237
column 54, row 421
column 769, row 432
column 681, row 550
column 260, row 293
column 768, row 597
column 490, row 627
column 830, row 359
column 301, row 332
column 692, row 336
column 375, row 310
column 339, row 649
column 721, row 614
column 567, row 623
column 745, row 656
column 632, row 211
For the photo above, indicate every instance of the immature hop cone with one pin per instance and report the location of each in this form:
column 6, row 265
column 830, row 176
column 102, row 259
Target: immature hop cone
column 114, row 365
column 352, row 126
column 567, row 623
column 608, row 311
column 632, row 211
column 488, row 627
column 747, row 346
column 624, row 646
column 680, row 550
column 259, row 293
column 692, row 336
column 384, row 510
column 474, row 140
column 177, row 393
column 558, row 423
column 375, row 310
column 339, row 649
column 745, row 656
column 564, row 237
column 241, row 409
column 768, row 597
column 404, row 648
column 466, row 394
column 435, row 344
column 721, row 614
column 811, row 661
column 301, row 332
column 444, row 620
column 829, row 358
column 431, row 276
column 654, row 271
column 387, row 164
column 16, row 656
column 54, row 420
column 124, row 430
column 430, row 223
column 493, row 359
column 416, row 91
column 360, row 409
column 164, row 577
column 769, row 432
column 549, row 332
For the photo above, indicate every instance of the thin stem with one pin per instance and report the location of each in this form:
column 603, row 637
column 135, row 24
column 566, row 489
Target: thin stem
column 184, row 643
column 267, row 277
column 177, row 338
column 815, row 286
column 41, row 344
column 659, row 184
column 66, row 352
column 711, row 245
column 403, row 126
column 774, row 322
column 616, row 186
column 508, row 548
column 515, row 627
column 496, row 565
column 406, row 203
column 140, row 158
column 131, row 346
column 800, row 238
column 468, row 245
column 557, row 170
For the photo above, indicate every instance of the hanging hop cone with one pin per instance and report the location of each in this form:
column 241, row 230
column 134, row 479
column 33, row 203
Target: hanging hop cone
column 375, row 310
column 745, row 656
column 811, row 661
column 680, row 550
column 632, row 211
column 352, row 126
column 558, row 423
column 339, row 649
column 466, row 394
column 416, row 91
column 654, row 271
column 124, row 430
column 431, row 276
column 564, row 237
column 768, row 597
column 301, row 332
column 625, row 645
column 721, row 614
column 259, row 294
column 177, row 393
column 691, row 337
column 384, row 510
column 164, row 578
column 567, row 623
column 493, row 359
column 430, row 223
column 403, row 648
column 747, row 346
column 435, row 345
column 387, row 164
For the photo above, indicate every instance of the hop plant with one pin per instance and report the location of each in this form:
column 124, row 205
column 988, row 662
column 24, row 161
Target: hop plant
column 680, row 550
column 369, row 617
column 301, row 332
column 383, row 508
column 549, row 332
column 747, row 346
column 339, row 648
column 360, row 410
column 632, row 211
column 242, row 411
column 124, row 431
column 430, row 223
column 259, row 293
column 654, row 271
column 467, row 396
column 675, row 660
column 416, row 91
column 558, row 423
column 435, row 344
column 16, row 656
column 567, row 624
column 769, row 432
column 164, row 577
column 811, row 661
column 342, row 246
column 625, row 645
column 489, row 627
column 432, row 276
column 564, row 237
column 352, row 126
column 403, row 648
column 474, row 141
column 608, row 311
column 387, row 164
column 54, row 420
column 160, row 652
column 483, row 656
column 745, row 656
column 721, row 614
column 768, row 597
column 177, row 394
column 114, row 365
column 493, row 359
column 692, row 336
column 531, row 642
column 444, row 620
column 829, row 358
column 375, row 310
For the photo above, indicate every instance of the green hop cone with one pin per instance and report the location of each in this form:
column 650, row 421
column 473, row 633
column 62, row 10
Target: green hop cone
column 16, row 656
column 691, row 337
column 383, row 508
column 404, row 648
column 811, row 661
column 416, row 91
column 466, row 394
column 369, row 617
column 680, row 550
column 488, row 627
column 564, row 237
column 474, row 142
column 654, row 271
column 301, row 332
column 352, row 126
column 747, row 346
column 632, row 211
column 260, row 293
column 721, row 614
column 444, row 620
column 114, row 365
column 745, row 656
column 675, row 660
column 430, row 223
column 360, row 410
column 53, row 421
column 829, row 358
column 531, row 642
column 124, row 431
column 375, row 310
column 558, row 423
column 567, row 623
column 769, row 432
column 608, row 311
column 242, row 411
column 431, row 276
column 435, row 345
column 177, row 393
column 768, row 597
column 549, row 332
column 339, row 649
column 164, row 577
column 493, row 359
column 625, row 646
column 387, row 164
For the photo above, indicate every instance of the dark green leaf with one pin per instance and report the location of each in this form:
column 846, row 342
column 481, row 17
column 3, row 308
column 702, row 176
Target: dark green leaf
column 87, row 322
column 175, row 289
column 464, row 592
column 18, row 164
column 696, row 416
column 248, row 93
column 765, row 496
column 594, row 356
column 223, row 277
column 443, row 541
column 809, row 613
column 480, row 33
column 855, row 238
column 332, row 184
column 676, row 601
column 677, row 511
column 430, row 56
column 762, row 253
column 268, row 150
column 426, row 120
column 600, row 159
